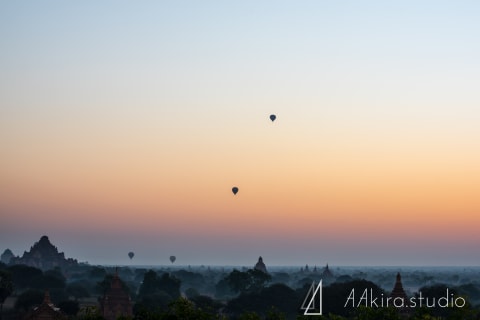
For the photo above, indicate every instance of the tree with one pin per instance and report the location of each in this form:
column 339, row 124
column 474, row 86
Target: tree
column 191, row 293
column 57, row 295
column 91, row 313
column 258, row 279
column 436, row 296
column 24, row 276
column 157, row 292
column 170, row 285
column 238, row 281
column 334, row 296
column 281, row 298
column 185, row 310
column 274, row 314
column 70, row 307
column 276, row 301
column 77, row 290
column 106, row 283
column 249, row 316
column 365, row 313
column 53, row 279
column 153, row 303
column 28, row 299
column 207, row 304
column 434, row 293
column 149, row 284
column 188, row 278
column 97, row 273
column 6, row 288
column 223, row 289
column 250, row 281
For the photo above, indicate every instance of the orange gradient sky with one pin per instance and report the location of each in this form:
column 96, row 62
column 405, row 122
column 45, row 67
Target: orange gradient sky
column 123, row 127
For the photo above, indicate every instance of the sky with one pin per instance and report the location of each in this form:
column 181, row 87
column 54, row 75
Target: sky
column 125, row 124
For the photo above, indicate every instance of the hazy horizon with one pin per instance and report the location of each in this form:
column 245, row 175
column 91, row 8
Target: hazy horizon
column 125, row 125
column 161, row 259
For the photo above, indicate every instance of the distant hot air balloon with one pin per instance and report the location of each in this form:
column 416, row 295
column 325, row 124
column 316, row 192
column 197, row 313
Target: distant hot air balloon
column 172, row 259
column 234, row 190
column 273, row 117
column 131, row 254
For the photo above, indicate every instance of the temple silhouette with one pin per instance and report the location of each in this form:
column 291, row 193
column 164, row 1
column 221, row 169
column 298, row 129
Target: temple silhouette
column 45, row 256
column 398, row 291
column 327, row 274
column 260, row 265
column 46, row 311
column 116, row 302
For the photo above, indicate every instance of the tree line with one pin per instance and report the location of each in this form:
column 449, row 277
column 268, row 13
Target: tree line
column 183, row 294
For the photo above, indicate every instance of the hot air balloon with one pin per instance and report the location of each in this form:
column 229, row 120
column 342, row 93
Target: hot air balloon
column 273, row 117
column 172, row 259
column 131, row 254
column 234, row 190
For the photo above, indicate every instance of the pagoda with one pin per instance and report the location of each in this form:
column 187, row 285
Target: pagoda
column 398, row 291
column 6, row 256
column 327, row 274
column 116, row 302
column 44, row 255
column 400, row 298
column 260, row 265
column 46, row 311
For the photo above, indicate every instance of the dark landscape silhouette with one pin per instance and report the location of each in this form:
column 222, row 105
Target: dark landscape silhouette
column 43, row 284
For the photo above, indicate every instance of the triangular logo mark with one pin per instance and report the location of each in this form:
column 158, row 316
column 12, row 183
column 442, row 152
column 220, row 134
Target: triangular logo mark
column 313, row 301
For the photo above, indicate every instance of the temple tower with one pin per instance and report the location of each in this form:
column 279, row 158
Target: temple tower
column 116, row 302
column 260, row 265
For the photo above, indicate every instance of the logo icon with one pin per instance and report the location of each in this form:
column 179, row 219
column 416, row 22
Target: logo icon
column 313, row 301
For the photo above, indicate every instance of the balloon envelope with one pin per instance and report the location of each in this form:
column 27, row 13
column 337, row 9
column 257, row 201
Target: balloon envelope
column 131, row 254
column 273, row 117
column 234, row 190
column 172, row 259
